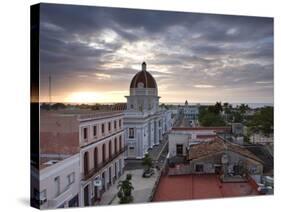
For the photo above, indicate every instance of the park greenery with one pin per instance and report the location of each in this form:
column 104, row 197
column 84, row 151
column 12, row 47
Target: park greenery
column 261, row 121
column 125, row 190
column 209, row 116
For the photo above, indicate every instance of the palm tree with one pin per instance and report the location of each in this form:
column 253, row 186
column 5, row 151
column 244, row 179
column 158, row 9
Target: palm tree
column 125, row 190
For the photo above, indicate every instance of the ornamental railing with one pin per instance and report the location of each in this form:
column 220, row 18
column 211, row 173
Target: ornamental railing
column 96, row 169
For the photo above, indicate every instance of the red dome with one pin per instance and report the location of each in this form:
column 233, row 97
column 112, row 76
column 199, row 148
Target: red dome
column 143, row 77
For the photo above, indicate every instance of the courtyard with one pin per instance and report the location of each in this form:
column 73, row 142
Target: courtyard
column 142, row 192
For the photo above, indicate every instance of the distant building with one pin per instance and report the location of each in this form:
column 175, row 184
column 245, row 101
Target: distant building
column 237, row 133
column 144, row 122
column 191, row 111
column 259, row 138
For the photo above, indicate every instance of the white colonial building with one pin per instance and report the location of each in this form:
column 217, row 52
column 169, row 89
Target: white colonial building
column 191, row 111
column 144, row 122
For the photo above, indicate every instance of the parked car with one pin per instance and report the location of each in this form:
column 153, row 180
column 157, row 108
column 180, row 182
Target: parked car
column 148, row 173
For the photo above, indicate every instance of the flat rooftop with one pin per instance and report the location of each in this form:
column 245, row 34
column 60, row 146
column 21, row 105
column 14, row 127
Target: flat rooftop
column 59, row 129
column 192, row 186
column 81, row 113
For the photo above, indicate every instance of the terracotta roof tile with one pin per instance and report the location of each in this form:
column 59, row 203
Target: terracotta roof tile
column 216, row 146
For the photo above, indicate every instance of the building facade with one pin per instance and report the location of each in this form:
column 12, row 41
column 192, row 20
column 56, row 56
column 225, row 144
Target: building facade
column 221, row 156
column 101, row 154
column 144, row 122
column 180, row 139
column 191, row 111
column 60, row 183
column 88, row 146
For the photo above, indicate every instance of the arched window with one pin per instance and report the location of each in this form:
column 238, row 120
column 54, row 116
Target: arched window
column 86, row 163
column 96, row 158
column 110, row 149
column 103, row 153
column 120, row 142
column 115, row 145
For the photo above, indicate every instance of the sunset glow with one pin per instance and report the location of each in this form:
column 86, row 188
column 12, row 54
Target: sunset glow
column 86, row 97
column 194, row 57
column 95, row 97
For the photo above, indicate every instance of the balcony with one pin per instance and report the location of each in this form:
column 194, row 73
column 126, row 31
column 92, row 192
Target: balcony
column 95, row 170
column 61, row 197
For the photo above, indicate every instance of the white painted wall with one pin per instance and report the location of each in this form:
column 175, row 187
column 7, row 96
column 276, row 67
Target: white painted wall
column 67, row 191
column 178, row 138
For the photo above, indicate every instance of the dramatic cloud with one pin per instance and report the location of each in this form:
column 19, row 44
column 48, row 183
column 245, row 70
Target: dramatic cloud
column 95, row 52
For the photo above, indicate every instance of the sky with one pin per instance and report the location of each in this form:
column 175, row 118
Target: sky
column 92, row 53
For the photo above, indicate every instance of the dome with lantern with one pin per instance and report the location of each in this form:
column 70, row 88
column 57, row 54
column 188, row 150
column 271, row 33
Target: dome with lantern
column 143, row 83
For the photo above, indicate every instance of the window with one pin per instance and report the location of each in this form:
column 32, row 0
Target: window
column 103, row 153
column 86, row 163
column 132, row 106
column 115, row 145
column 43, row 196
column 95, row 130
column 57, row 185
column 131, row 133
column 85, row 133
column 115, row 124
column 71, row 178
column 109, row 126
column 179, row 149
column 109, row 149
column 102, row 128
column 120, row 123
column 199, row 168
column 120, row 142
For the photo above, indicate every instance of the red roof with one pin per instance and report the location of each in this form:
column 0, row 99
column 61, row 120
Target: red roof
column 216, row 146
column 206, row 136
column 217, row 129
column 144, row 77
column 185, row 187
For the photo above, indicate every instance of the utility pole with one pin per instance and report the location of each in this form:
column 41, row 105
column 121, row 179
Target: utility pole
column 50, row 89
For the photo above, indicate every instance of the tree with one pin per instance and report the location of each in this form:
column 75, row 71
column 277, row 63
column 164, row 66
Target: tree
column 237, row 117
column 262, row 121
column 125, row 190
column 210, row 117
column 163, row 105
column 45, row 106
column 58, row 106
column 243, row 108
column 147, row 162
column 218, row 107
column 227, row 108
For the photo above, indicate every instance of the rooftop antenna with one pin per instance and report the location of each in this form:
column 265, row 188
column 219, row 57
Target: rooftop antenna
column 50, row 89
